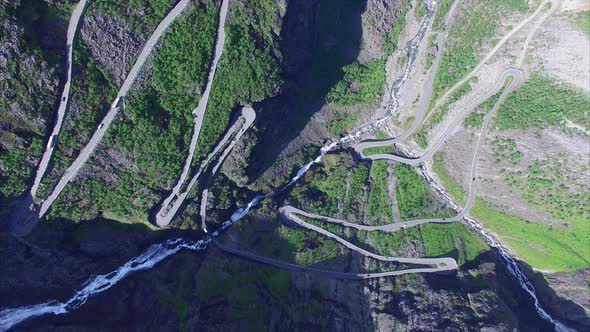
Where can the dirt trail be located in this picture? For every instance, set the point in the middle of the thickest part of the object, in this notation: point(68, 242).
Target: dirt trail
point(555, 6)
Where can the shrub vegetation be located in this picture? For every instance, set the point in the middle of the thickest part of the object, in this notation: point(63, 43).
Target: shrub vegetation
point(411, 191)
point(15, 170)
point(583, 21)
point(153, 131)
point(361, 84)
point(248, 70)
point(379, 202)
point(182, 64)
point(554, 248)
point(390, 44)
point(541, 102)
point(467, 35)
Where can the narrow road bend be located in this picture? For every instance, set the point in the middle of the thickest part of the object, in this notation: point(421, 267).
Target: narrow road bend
point(26, 214)
point(490, 54)
point(63, 102)
point(324, 273)
point(498, 86)
point(441, 264)
point(167, 212)
point(199, 112)
point(249, 115)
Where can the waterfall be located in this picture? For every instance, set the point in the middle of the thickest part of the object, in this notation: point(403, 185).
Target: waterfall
point(158, 252)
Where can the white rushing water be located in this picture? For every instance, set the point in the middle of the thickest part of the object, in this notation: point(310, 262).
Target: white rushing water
point(511, 264)
point(158, 252)
point(146, 260)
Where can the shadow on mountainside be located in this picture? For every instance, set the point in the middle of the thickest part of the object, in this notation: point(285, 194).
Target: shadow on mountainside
point(215, 291)
point(44, 26)
point(32, 39)
point(488, 274)
point(212, 290)
point(557, 305)
point(318, 38)
point(58, 256)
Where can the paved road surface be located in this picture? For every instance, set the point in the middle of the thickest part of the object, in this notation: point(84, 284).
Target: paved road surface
point(435, 264)
point(115, 107)
point(249, 115)
point(426, 90)
point(199, 111)
point(166, 212)
point(22, 224)
point(453, 126)
point(490, 54)
point(421, 115)
point(63, 102)
point(325, 273)
point(442, 264)
point(389, 228)
point(513, 85)
point(394, 227)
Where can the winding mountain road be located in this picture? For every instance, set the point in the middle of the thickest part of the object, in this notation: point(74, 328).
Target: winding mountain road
point(325, 273)
point(441, 264)
point(63, 102)
point(115, 107)
point(166, 212)
point(517, 80)
point(488, 56)
point(156, 253)
point(199, 112)
point(498, 86)
point(249, 115)
point(26, 217)
point(426, 89)
point(421, 116)
point(388, 228)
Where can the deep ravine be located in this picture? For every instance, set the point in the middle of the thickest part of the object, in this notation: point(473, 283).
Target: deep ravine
point(156, 253)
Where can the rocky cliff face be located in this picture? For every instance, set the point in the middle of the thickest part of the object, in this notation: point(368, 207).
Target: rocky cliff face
point(210, 290)
point(111, 42)
point(565, 294)
point(31, 33)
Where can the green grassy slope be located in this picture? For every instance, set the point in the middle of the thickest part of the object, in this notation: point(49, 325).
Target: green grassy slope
point(563, 248)
point(474, 28)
